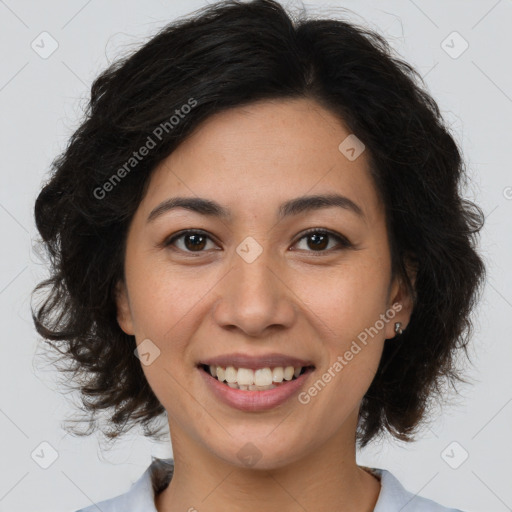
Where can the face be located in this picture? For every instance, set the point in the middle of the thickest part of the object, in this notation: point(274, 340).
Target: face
point(255, 282)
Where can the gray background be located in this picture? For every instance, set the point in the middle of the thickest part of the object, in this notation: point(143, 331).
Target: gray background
point(41, 101)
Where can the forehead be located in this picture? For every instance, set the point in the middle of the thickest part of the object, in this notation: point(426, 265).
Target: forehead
point(265, 153)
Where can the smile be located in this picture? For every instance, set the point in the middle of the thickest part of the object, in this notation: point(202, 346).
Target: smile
point(247, 379)
point(254, 390)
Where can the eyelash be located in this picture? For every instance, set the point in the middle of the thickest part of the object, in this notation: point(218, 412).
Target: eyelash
point(342, 241)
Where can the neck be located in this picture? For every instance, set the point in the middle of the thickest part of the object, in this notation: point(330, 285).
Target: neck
point(326, 478)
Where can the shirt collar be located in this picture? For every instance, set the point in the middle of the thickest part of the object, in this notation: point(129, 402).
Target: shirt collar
point(156, 478)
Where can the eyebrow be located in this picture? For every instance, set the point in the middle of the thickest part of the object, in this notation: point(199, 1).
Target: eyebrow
point(289, 208)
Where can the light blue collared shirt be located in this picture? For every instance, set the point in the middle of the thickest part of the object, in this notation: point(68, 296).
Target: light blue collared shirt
point(393, 496)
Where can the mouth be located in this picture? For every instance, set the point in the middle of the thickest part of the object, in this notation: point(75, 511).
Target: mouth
point(261, 379)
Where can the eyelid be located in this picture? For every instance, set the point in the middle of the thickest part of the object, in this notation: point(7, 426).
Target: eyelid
point(169, 241)
point(342, 240)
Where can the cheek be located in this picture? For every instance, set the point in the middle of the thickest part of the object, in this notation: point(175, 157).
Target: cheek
point(163, 300)
point(348, 299)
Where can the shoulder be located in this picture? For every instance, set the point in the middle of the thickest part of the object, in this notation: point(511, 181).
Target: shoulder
point(393, 497)
point(137, 499)
point(141, 495)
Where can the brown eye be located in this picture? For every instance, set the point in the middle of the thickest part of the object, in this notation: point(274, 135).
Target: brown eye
point(193, 241)
point(318, 240)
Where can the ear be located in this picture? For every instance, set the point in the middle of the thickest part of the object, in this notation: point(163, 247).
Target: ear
point(401, 299)
point(124, 314)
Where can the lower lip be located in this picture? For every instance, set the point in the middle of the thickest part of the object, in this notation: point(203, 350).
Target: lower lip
point(253, 401)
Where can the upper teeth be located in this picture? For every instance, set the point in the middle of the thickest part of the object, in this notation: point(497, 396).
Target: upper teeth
point(260, 377)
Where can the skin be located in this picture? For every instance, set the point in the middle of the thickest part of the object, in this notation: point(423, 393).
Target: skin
point(293, 299)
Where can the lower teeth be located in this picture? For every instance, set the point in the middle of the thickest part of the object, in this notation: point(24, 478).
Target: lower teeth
point(235, 385)
point(253, 387)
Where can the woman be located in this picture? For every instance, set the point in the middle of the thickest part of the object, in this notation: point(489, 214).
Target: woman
point(257, 232)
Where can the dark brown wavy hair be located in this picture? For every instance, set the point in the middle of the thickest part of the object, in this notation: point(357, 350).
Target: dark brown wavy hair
point(227, 55)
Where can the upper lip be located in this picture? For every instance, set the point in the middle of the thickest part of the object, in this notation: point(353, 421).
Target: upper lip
point(239, 360)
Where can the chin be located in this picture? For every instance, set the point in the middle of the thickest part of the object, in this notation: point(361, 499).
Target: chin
point(259, 453)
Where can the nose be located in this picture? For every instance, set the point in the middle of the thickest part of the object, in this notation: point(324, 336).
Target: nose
point(254, 298)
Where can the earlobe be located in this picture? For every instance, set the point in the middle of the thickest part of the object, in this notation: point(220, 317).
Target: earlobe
point(402, 302)
point(124, 315)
